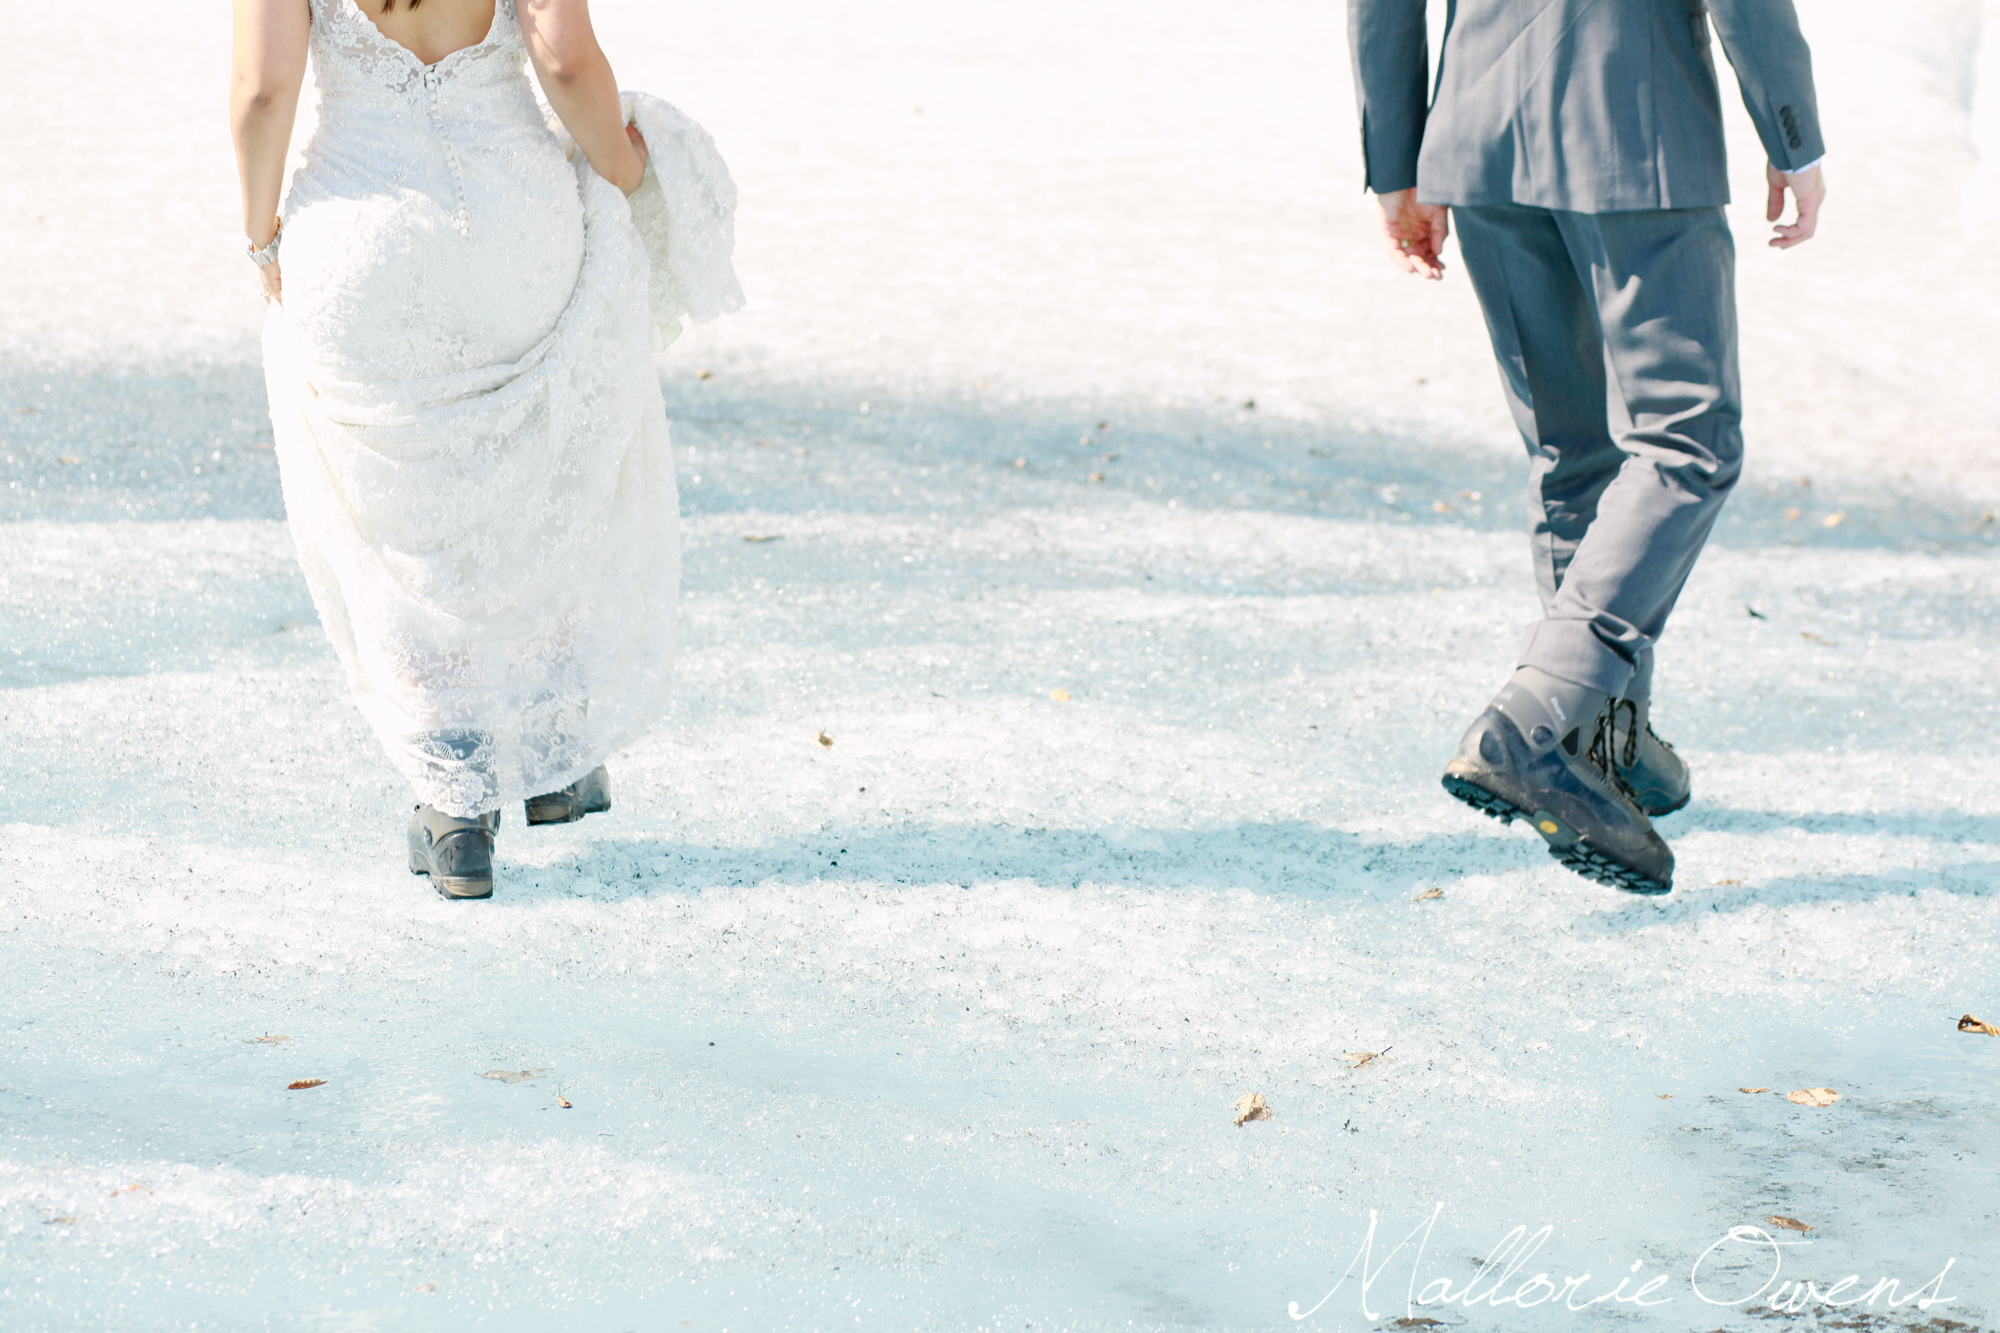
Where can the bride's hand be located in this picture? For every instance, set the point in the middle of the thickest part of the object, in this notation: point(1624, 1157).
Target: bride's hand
point(272, 286)
point(638, 142)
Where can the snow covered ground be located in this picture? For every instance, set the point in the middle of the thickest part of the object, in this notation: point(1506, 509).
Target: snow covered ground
point(940, 1026)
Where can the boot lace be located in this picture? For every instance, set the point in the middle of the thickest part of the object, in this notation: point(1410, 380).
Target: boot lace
point(1603, 752)
point(1628, 754)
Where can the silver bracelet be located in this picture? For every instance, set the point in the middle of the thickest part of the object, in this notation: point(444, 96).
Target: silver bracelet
point(266, 255)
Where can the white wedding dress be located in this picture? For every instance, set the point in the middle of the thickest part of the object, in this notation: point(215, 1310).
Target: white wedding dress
point(469, 428)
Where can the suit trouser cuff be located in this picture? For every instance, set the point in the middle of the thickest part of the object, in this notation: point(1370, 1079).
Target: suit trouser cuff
point(1640, 687)
point(1570, 650)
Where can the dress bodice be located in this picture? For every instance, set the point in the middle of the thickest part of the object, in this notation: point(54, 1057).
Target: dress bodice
point(352, 56)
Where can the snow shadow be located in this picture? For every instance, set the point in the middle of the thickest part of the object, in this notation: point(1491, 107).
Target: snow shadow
point(136, 442)
point(986, 453)
point(1292, 859)
point(1943, 826)
point(192, 441)
point(1689, 902)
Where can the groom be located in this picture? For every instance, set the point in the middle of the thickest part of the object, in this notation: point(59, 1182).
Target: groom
point(1579, 144)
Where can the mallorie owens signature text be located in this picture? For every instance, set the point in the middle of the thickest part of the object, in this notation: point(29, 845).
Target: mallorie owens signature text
point(1742, 1265)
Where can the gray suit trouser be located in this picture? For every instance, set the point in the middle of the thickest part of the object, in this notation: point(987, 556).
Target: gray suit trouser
point(1616, 337)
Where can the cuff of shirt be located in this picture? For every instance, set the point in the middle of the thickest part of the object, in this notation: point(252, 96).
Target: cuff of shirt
point(1800, 171)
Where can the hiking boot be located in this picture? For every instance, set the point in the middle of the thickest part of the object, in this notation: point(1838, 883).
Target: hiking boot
point(588, 795)
point(1656, 776)
point(1542, 751)
point(456, 853)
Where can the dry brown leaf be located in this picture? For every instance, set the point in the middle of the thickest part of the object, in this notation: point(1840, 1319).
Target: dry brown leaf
point(562, 1101)
point(704, 374)
point(826, 740)
point(1971, 1024)
point(1097, 476)
point(1813, 1097)
point(427, 1286)
point(59, 1222)
point(269, 1039)
point(1252, 1106)
point(1427, 895)
point(1666, 1096)
point(140, 1188)
point(514, 1075)
point(763, 537)
point(1753, 1089)
point(1417, 1321)
point(1060, 696)
point(1788, 1223)
point(70, 459)
point(1020, 462)
point(1808, 634)
point(1720, 882)
point(1440, 507)
point(1359, 1059)
point(1791, 515)
point(304, 1083)
point(1835, 519)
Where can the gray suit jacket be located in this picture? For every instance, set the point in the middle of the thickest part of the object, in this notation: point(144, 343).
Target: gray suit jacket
point(1591, 106)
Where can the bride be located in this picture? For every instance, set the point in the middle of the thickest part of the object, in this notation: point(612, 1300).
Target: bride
point(458, 356)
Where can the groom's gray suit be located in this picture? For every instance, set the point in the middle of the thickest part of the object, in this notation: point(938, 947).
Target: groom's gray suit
point(1580, 145)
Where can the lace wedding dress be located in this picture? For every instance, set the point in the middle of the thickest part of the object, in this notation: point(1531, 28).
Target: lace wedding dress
point(469, 428)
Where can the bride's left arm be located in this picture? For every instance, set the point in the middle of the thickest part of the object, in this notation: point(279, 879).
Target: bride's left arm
point(576, 78)
point(267, 69)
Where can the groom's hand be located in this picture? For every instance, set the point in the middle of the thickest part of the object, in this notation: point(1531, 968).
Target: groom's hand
point(1808, 189)
point(1415, 232)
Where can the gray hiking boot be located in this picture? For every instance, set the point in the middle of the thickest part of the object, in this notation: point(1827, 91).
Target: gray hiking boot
point(1657, 777)
point(588, 795)
point(1542, 751)
point(456, 853)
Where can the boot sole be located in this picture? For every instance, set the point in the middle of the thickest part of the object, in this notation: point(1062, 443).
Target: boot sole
point(1565, 844)
point(550, 813)
point(566, 814)
point(451, 886)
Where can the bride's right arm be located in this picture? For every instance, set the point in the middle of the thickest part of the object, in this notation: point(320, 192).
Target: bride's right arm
point(267, 69)
point(578, 82)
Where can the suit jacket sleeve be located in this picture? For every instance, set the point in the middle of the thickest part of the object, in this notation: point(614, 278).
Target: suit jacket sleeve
point(1774, 68)
point(1391, 53)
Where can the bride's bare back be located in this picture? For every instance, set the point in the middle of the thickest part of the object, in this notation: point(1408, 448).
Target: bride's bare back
point(432, 29)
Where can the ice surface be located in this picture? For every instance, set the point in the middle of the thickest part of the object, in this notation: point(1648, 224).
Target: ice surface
point(940, 1027)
